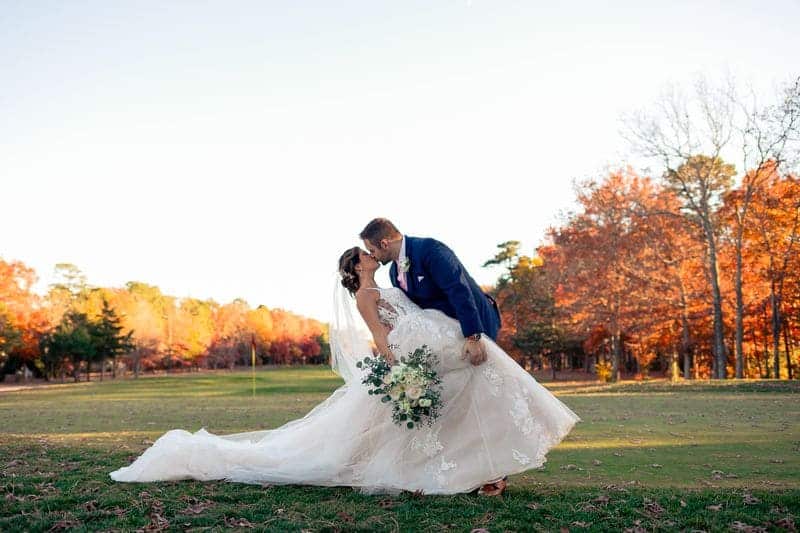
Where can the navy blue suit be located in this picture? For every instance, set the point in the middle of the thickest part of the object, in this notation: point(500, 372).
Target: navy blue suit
point(437, 280)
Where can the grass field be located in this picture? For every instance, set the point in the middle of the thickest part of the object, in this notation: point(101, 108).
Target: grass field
point(647, 456)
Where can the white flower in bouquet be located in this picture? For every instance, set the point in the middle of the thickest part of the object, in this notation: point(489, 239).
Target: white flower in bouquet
point(397, 373)
point(412, 387)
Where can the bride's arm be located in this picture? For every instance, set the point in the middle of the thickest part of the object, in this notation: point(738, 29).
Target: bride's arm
point(367, 303)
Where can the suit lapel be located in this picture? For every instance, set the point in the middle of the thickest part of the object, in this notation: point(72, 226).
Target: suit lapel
point(393, 274)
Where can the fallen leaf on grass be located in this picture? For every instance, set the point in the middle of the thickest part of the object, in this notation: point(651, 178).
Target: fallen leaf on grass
point(653, 507)
point(485, 519)
point(597, 462)
point(683, 503)
point(602, 499)
point(239, 522)
point(581, 524)
point(618, 454)
point(345, 517)
point(387, 504)
point(749, 499)
point(198, 507)
point(656, 465)
point(157, 522)
point(776, 461)
point(116, 511)
point(717, 507)
point(786, 523)
point(65, 523)
point(533, 505)
point(637, 527)
point(89, 506)
point(746, 528)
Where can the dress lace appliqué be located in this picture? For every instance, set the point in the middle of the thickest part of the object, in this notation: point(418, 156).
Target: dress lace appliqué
point(520, 457)
point(430, 444)
point(494, 379)
point(521, 415)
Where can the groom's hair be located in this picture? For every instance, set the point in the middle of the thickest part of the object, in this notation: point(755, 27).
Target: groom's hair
point(379, 229)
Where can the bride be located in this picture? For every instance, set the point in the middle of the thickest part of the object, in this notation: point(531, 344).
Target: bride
point(496, 420)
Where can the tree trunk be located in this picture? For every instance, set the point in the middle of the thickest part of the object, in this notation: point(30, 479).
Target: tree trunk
point(616, 355)
point(719, 338)
point(788, 347)
point(776, 331)
point(738, 342)
point(766, 343)
point(102, 368)
point(114, 367)
point(675, 373)
point(88, 370)
point(685, 338)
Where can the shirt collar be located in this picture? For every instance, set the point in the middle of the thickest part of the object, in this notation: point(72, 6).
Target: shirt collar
point(402, 250)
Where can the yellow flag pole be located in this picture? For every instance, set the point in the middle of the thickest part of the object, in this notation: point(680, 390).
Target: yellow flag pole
point(253, 362)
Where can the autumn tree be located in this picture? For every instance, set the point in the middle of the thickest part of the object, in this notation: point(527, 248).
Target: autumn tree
point(21, 319)
point(776, 211)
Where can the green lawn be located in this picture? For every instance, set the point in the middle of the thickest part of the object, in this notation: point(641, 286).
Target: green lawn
point(653, 456)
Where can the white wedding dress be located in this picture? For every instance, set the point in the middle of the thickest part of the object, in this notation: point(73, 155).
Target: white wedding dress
point(496, 420)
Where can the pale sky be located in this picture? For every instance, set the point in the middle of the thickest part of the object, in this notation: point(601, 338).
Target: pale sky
point(235, 149)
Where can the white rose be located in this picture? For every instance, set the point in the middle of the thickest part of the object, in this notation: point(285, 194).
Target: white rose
point(425, 402)
point(413, 392)
point(387, 378)
point(395, 393)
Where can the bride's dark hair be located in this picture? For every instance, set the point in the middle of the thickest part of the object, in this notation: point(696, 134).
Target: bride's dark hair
point(347, 268)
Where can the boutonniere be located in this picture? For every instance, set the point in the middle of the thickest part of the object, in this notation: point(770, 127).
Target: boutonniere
point(404, 264)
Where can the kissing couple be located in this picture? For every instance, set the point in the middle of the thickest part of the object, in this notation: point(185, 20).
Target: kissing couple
point(495, 420)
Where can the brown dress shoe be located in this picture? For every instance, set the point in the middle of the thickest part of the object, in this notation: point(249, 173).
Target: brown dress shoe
point(494, 489)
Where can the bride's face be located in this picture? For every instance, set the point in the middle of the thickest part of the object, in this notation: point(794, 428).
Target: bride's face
point(367, 262)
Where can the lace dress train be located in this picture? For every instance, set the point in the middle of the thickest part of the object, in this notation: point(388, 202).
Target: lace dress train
point(496, 420)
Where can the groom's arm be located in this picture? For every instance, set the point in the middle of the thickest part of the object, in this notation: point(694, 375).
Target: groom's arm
point(450, 276)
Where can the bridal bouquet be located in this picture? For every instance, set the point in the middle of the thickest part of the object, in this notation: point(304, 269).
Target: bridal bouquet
point(412, 386)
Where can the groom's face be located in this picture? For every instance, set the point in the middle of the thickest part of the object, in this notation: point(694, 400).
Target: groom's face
point(379, 251)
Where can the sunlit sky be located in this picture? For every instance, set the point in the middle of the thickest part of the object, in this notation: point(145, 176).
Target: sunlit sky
point(235, 149)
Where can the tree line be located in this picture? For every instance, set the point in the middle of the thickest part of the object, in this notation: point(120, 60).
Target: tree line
point(696, 271)
point(76, 328)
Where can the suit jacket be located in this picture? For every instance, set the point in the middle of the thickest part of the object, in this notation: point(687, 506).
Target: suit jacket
point(436, 279)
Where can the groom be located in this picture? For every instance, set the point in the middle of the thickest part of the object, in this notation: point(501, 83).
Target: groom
point(433, 278)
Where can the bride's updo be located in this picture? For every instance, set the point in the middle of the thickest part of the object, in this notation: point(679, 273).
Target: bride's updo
point(347, 269)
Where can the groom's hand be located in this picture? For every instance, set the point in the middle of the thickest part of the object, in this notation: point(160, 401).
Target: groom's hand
point(475, 351)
